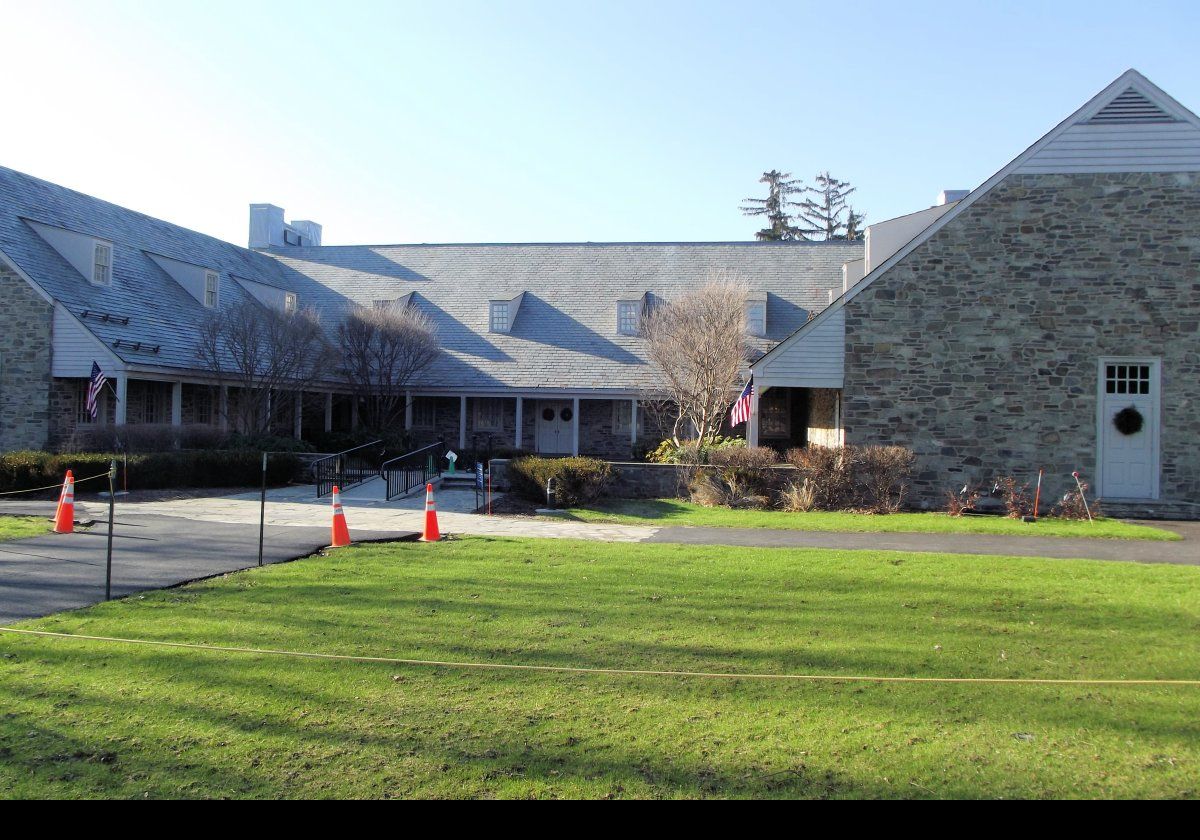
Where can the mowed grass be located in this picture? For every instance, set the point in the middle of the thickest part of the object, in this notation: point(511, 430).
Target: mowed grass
point(87, 719)
point(679, 512)
point(20, 527)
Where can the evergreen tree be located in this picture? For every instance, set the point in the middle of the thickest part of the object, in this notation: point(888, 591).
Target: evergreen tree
point(822, 211)
point(776, 206)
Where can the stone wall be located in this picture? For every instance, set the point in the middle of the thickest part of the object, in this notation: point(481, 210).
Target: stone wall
point(25, 349)
point(979, 350)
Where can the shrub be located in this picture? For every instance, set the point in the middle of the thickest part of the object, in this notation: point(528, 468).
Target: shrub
point(959, 503)
point(1015, 496)
point(882, 476)
point(798, 497)
point(1072, 505)
point(737, 477)
point(578, 481)
point(691, 452)
point(150, 471)
point(829, 473)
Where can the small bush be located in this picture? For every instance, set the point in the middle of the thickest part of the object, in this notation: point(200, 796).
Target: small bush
point(798, 497)
point(829, 473)
point(1017, 502)
point(737, 477)
point(882, 474)
point(1073, 505)
point(691, 452)
point(578, 481)
point(959, 503)
point(151, 471)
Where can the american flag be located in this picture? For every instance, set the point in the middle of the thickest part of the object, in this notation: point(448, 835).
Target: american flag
point(740, 412)
point(95, 386)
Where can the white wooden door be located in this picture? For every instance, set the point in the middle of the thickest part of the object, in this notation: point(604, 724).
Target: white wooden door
point(1128, 428)
point(554, 427)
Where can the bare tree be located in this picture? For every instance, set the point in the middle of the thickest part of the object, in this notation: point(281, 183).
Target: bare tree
point(697, 342)
point(263, 352)
point(382, 351)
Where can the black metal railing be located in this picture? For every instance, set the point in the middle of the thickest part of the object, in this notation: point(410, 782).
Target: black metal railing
point(347, 469)
point(413, 469)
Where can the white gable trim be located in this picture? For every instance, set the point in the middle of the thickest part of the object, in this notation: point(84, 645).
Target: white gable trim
point(1130, 78)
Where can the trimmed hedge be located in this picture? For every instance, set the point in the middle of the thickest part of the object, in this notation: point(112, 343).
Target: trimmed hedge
point(578, 481)
point(153, 471)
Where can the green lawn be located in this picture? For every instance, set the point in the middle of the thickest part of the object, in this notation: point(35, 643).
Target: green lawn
point(678, 512)
point(19, 527)
point(83, 719)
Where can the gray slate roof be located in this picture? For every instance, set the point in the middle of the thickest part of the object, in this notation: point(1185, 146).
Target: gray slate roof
point(564, 335)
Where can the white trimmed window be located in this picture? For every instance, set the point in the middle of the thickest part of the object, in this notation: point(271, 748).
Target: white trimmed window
point(622, 413)
point(290, 302)
point(756, 318)
point(424, 413)
point(489, 415)
point(210, 289)
point(102, 264)
point(498, 319)
point(629, 317)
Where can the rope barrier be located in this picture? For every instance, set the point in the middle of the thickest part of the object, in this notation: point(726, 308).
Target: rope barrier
point(623, 672)
point(53, 486)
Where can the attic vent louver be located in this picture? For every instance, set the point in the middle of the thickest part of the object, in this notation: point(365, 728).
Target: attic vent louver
point(1131, 107)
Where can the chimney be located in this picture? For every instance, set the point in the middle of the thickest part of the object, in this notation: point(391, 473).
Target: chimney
point(950, 196)
point(269, 230)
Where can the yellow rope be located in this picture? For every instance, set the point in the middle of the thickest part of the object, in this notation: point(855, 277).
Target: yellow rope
point(53, 486)
point(625, 672)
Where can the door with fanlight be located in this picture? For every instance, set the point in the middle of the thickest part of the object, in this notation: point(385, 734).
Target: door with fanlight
point(1128, 429)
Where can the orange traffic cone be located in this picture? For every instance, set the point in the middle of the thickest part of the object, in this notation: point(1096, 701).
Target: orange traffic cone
point(341, 533)
point(432, 534)
point(64, 517)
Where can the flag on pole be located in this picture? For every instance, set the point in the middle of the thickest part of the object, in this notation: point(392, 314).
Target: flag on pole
point(740, 412)
point(95, 386)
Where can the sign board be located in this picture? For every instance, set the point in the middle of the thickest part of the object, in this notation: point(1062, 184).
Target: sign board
point(479, 476)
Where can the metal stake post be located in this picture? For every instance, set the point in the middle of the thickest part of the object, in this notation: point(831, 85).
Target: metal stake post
point(112, 503)
point(262, 510)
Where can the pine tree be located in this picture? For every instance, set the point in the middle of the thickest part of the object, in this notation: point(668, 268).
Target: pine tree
point(826, 212)
point(775, 206)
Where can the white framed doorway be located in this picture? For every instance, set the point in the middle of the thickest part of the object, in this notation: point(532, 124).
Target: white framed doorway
point(554, 426)
point(1128, 428)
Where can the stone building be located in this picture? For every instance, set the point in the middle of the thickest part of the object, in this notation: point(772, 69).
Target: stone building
point(1049, 319)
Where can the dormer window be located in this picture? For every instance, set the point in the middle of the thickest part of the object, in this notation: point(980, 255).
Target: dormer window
point(756, 318)
point(102, 264)
point(289, 303)
point(499, 320)
point(629, 317)
point(210, 289)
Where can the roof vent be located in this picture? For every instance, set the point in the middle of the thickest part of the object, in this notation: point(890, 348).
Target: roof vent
point(1132, 106)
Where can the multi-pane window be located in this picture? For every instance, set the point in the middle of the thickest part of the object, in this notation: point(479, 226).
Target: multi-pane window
point(202, 406)
point(289, 303)
point(498, 320)
point(102, 264)
point(424, 413)
point(629, 317)
point(622, 415)
point(1127, 379)
point(81, 411)
point(756, 318)
point(210, 289)
point(489, 415)
point(775, 415)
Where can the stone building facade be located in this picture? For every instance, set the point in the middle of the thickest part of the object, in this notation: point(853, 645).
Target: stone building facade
point(980, 349)
point(25, 355)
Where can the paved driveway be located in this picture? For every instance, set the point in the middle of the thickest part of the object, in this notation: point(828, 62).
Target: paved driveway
point(58, 572)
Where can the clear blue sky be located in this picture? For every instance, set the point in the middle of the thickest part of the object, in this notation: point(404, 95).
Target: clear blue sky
point(521, 121)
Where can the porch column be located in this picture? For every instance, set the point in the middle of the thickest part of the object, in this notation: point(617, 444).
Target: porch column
point(408, 401)
point(575, 426)
point(121, 385)
point(176, 403)
point(520, 422)
point(462, 422)
point(633, 408)
point(752, 423)
point(223, 407)
point(298, 419)
point(329, 412)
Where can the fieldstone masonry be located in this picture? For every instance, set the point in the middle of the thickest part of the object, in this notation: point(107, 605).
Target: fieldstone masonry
point(24, 365)
point(979, 350)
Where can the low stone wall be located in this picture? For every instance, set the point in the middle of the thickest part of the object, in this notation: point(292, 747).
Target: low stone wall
point(633, 480)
